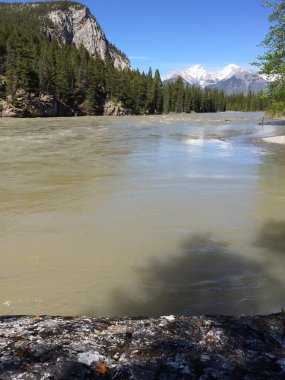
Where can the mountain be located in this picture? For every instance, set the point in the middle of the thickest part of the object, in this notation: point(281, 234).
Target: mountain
point(173, 79)
point(55, 60)
point(231, 79)
point(242, 81)
point(75, 24)
point(68, 22)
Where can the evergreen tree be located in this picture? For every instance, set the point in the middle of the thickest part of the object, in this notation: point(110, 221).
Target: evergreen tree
point(167, 95)
point(188, 101)
point(157, 93)
point(179, 93)
point(150, 93)
point(272, 62)
point(11, 72)
point(63, 76)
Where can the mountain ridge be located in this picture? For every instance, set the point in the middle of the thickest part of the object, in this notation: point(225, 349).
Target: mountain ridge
point(77, 25)
point(71, 22)
point(231, 78)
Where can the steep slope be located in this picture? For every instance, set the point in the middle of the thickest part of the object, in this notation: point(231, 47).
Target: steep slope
point(68, 22)
point(55, 60)
point(231, 79)
point(75, 24)
point(241, 82)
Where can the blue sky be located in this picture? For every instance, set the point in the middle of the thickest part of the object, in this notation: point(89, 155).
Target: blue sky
point(174, 34)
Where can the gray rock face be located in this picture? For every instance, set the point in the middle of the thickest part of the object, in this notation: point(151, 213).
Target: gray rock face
point(243, 82)
point(77, 25)
point(45, 106)
point(169, 347)
point(9, 110)
point(113, 109)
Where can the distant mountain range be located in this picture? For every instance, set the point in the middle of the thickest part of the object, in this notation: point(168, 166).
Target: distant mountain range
point(231, 79)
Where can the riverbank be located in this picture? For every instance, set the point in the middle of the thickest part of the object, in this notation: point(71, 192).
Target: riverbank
point(169, 347)
point(280, 140)
point(275, 140)
point(25, 105)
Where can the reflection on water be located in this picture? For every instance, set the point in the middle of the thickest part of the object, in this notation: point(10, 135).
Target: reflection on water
point(141, 215)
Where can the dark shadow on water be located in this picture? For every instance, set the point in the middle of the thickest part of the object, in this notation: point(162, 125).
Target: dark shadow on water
point(203, 277)
point(272, 236)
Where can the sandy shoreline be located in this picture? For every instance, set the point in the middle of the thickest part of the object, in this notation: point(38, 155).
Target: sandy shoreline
point(275, 140)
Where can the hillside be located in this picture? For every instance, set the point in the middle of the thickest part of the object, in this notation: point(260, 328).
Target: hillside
point(53, 60)
point(67, 22)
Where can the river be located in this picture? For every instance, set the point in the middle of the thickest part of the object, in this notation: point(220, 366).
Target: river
point(141, 215)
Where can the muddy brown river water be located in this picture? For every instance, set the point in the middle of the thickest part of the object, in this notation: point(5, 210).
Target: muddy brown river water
point(141, 215)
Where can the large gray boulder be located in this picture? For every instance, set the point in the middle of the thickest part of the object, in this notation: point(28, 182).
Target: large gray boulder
point(115, 109)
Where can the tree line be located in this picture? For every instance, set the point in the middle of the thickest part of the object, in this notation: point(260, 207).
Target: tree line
point(33, 61)
point(180, 98)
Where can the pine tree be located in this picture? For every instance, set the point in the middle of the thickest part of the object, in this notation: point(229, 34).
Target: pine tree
point(157, 93)
point(11, 72)
point(95, 92)
point(167, 95)
point(179, 95)
point(150, 94)
point(187, 101)
point(63, 77)
point(26, 72)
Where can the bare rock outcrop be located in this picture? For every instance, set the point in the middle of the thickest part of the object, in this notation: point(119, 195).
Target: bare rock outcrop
point(10, 110)
point(169, 347)
point(77, 25)
point(115, 109)
point(25, 105)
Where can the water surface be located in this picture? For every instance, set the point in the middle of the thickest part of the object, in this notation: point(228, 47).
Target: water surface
point(141, 215)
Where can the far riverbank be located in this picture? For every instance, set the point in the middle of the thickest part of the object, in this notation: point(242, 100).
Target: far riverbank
point(275, 139)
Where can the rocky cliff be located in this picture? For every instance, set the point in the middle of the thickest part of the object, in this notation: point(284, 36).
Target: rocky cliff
point(75, 24)
point(40, 76)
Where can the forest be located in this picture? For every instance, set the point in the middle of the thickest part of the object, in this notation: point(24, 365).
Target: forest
point(38, 63)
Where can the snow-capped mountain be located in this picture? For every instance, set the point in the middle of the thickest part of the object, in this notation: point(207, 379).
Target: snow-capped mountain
point(231, 79)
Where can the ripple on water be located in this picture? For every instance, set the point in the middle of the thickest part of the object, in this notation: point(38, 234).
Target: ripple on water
point(83, 201)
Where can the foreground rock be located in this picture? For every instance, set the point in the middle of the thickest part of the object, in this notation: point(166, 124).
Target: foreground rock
point(151, 348)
